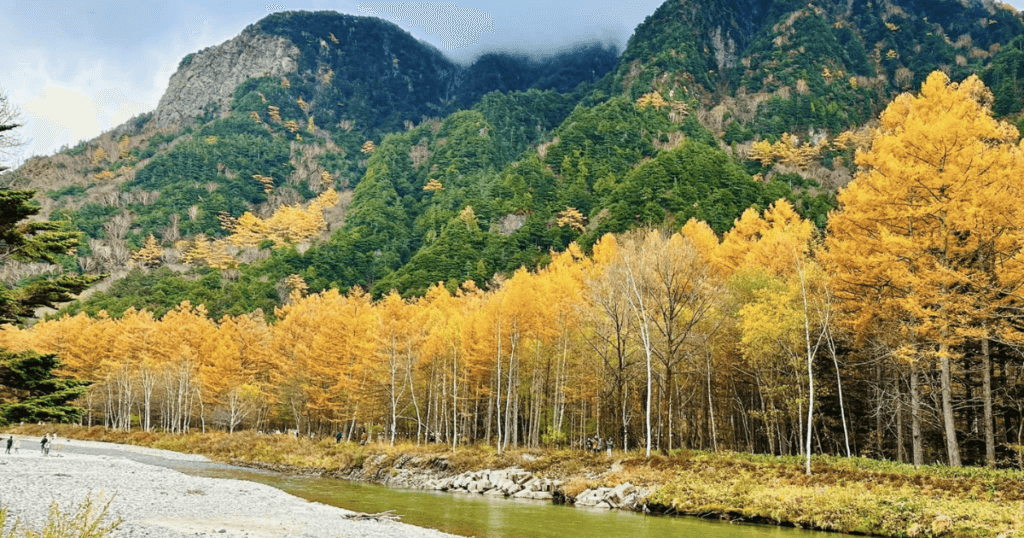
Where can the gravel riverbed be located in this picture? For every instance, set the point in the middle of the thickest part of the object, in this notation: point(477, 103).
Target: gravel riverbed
point(159, 502)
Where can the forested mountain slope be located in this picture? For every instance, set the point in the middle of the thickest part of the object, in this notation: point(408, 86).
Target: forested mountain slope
point(452, 173)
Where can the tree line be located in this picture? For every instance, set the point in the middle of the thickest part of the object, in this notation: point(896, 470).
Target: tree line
point(892, 334)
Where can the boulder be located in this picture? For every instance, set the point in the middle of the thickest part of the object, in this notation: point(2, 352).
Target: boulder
point(523, 494)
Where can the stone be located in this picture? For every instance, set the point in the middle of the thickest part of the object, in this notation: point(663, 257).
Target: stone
point(210, 76)
point(523, 494)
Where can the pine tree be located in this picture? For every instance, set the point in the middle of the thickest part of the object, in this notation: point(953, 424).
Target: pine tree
point(38, 394)
point(34, 241)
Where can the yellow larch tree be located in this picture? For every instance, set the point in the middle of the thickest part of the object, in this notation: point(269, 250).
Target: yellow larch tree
point(99, 156)
point(151, 254)
point(122, 147)
point(928, 233)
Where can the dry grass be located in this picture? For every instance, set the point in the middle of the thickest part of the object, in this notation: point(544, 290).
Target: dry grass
point(843, 494)
point(85, 520)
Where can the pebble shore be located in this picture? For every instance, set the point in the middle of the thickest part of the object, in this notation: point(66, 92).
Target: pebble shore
point(157, 502)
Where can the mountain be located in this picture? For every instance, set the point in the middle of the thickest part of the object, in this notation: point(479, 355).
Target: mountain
point(786, 66)
point(451, 173)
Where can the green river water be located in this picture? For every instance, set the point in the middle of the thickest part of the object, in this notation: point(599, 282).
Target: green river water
point(490, 517)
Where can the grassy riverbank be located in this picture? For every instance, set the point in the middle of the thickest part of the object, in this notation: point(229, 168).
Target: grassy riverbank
point(844, 495)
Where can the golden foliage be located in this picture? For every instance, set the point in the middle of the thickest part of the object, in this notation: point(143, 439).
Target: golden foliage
point(787, 150)
point(151, 254)
point(291, 125)
point(938, 185)
point(275, 113)
point(266, 181)
point(122, 146)
point(99, 156)
point(572, 218)
point(227, 222)
point(202, 250)
point(468, 217)
point(255, 116)
point(288, 225)
point(652, 99)
point(368, 148)
point(433, 185)
point(297, 286)
point(106, 174)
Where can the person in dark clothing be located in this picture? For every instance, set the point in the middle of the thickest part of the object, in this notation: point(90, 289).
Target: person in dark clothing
point(10, 443)
point(42, 446)
point(337, 438)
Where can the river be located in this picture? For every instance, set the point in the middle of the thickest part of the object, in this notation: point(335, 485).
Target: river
point(474, 515)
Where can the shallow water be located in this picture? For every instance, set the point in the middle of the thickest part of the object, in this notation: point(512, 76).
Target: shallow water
point(470, 514)
point(497, 517)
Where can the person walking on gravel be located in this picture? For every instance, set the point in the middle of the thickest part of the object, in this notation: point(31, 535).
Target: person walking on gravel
point(42, 446)
point(10, 443)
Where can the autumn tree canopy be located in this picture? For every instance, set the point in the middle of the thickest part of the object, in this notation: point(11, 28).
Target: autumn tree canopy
point(929, 233)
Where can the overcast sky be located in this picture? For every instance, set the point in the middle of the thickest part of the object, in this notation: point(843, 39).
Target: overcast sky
point(78, 68)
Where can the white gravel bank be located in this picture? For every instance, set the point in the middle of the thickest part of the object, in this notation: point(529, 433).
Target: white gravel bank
point(162, 503)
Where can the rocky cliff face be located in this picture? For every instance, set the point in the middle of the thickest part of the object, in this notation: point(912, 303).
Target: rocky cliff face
point(211, 75)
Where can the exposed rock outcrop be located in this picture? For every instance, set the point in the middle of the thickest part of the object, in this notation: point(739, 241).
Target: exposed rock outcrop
point(211, 75)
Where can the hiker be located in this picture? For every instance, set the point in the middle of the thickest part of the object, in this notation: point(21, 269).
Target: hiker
point(337, 438)
point(42, 445)
point(609, 445)
point(362, 440)
point(10, 443)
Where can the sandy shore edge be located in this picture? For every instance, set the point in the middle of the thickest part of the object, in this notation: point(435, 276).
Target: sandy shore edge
point(158, 502)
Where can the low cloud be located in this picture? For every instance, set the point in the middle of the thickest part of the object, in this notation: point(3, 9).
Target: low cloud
point(457, 27)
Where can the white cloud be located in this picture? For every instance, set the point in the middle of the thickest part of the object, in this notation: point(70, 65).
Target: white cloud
point(65, 101)
point(457, 27)
point(70, 91)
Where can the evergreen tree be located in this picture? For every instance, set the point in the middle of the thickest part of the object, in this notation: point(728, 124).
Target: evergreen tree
point(31, 391)
point(31, 241)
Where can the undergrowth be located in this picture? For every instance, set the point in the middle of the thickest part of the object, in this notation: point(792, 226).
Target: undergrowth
point(86, 520)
